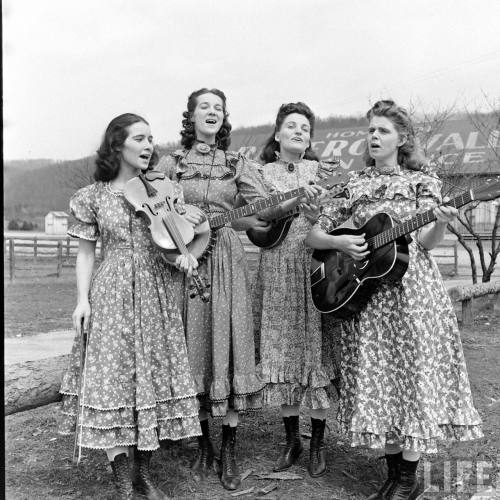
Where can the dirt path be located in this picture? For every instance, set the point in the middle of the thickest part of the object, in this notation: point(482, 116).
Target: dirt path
point(39, 466)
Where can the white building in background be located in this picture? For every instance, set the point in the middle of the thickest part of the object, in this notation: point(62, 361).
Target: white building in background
point(56, 223)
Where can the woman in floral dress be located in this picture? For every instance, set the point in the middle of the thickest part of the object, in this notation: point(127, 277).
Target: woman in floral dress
point(404, 382)
point(295, 364)
point(219, 334)
point(136, 387)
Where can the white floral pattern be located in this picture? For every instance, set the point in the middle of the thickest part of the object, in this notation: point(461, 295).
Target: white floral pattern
point(403, 373)
point(296, 362)
point(219, 333)
point(137, 387)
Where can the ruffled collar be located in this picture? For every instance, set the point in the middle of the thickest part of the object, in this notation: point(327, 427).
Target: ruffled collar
point(186, 168)
point(375, 172)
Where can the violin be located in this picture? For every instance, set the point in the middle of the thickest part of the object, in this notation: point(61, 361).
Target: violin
point(153, 197)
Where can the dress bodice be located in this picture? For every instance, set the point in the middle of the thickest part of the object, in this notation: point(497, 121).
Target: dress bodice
point(401, 195)
point(101, 212)
point(213, 180)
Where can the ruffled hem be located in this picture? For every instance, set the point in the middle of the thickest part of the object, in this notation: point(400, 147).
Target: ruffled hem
point(309, 377)
point(276, 395)
point(236, 402)
point(448, 433)
point(172, 420)
point(414, 438)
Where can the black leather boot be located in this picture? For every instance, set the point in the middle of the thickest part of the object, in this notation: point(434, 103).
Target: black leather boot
point(142, 481)
point(393, 467)
point(406, 487)
point(293, 446)
point(121, 473)
point(229, 474)
point(317, 454)
point(205, 458)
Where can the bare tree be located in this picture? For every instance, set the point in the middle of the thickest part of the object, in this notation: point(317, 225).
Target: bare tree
point(457, 179)
point(76, 174)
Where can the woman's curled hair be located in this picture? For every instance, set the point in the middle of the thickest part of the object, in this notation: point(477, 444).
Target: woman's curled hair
point(109, 152)
point(271, 147)
point(409, 154)
point(223, 136)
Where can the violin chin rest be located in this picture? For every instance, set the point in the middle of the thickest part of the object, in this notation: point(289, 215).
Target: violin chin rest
point(152, 175)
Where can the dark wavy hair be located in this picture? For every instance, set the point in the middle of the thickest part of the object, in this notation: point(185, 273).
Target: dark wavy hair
point(108, 155)
point(271, 146)
point(223, 137)
point(409, 154)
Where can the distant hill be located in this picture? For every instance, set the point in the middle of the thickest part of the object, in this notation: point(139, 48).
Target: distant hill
point(34, 187)
point(29, 164)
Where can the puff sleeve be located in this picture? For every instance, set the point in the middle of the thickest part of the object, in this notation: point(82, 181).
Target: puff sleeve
point(82, 206)
point(249, 180)
point(333, 213)
point(168, 165)
point(428, 192)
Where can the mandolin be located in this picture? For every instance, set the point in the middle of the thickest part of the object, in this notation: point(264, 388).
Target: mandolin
point(152, 195)
point(342, 286)
point(272, 235)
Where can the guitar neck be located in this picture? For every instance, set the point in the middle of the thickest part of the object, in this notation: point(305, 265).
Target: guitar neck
point(416, 222)
point(246, 210)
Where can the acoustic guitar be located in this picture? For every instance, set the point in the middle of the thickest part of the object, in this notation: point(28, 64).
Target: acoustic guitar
point(272, 235)
point(342, 286)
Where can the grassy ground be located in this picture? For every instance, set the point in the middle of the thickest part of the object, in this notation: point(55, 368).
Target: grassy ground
point(38, 461)
point(37, 301)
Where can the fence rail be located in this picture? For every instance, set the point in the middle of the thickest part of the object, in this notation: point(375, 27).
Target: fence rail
point(64, 249)
point(41, 247)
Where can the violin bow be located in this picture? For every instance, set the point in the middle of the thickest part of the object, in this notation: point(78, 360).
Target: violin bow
point(80, 396)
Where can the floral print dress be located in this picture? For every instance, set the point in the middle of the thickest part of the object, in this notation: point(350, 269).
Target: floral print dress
point(220, 333)
point(296, 363)
point(403, 373)
point(137, 388)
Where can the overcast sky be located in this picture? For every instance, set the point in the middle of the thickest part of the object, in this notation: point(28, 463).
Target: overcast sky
point(71, 66)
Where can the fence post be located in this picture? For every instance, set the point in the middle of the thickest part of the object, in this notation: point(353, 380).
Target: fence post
point(35, 248)
point(59, 258)
point(455, 256)
point(67, 247)
point(12, 260)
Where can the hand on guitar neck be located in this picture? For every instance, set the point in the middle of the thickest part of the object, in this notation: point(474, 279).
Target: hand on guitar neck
point(308, 204)
point(312, 193)
point(431, 236)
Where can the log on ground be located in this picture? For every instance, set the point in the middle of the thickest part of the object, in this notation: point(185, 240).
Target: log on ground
point(33, 383)
point(458, 293)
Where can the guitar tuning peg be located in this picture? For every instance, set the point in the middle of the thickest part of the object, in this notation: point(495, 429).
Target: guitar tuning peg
point(192, 295)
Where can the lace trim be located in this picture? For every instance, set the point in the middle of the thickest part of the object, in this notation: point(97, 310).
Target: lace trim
point(206, 395)
point(74, 235)
point(114, 192)
point(114, 408)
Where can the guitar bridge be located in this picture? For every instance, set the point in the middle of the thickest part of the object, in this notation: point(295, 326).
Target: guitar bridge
point(318, 274)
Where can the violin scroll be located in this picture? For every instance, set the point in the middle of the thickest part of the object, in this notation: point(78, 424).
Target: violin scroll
point(199, 287)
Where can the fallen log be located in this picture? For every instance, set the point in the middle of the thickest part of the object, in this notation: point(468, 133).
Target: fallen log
point(33, 383)
point(467, 293)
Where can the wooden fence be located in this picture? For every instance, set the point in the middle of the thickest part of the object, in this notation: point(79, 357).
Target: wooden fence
point(62, 251)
